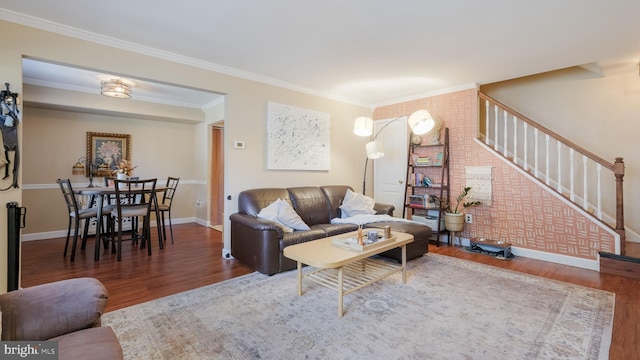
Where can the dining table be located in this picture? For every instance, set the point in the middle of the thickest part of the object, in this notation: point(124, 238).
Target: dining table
point(99, 193)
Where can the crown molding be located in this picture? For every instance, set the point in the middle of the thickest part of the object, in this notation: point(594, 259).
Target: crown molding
point(50, 26)
point(426, 95)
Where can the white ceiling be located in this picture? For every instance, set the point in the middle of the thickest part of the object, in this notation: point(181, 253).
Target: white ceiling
point(367, 52)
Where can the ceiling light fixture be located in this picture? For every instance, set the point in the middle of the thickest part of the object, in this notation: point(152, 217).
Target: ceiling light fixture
point(116, 88)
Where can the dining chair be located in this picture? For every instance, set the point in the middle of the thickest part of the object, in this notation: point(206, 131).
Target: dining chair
point(165, 206)
point(110, 200)
point(133, 200)
point(76, 214)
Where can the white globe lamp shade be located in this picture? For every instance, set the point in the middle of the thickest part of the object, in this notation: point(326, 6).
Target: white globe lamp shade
point(363, 126)
point(421, 122)
point(375, 149)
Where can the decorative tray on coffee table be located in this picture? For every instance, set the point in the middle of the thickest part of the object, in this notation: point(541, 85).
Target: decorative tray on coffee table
point(351, 243)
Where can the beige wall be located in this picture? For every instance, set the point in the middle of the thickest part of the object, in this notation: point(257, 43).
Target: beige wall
point(597, 112)
point(245, 119)
point(56, 139)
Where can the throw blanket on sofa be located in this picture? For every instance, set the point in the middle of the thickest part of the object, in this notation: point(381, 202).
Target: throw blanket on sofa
point(367, 219)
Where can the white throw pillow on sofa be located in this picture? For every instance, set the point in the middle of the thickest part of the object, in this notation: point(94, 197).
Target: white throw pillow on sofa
point(290, 217)
point(281, 212)
point(356, 204)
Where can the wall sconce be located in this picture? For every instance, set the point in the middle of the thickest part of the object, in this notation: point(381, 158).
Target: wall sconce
point(420, 122)
point(82, 166)
point(117, 88)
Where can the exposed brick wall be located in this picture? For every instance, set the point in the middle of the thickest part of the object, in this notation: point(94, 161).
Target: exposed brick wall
point(522, 212)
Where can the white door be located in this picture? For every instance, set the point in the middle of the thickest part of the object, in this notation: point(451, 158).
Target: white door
point(390, 171)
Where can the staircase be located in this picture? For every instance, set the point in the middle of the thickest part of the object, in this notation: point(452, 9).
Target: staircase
point(581, 177)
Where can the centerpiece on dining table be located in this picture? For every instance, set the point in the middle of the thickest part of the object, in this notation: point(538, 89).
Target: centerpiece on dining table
point(123, 170)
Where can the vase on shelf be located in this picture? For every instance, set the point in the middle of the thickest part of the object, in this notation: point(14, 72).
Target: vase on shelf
point(121, 176)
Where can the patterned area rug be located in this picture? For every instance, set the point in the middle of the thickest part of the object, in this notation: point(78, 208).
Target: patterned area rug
point(448, 309)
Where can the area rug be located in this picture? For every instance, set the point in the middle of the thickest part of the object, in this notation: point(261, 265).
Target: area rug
point(448, 309)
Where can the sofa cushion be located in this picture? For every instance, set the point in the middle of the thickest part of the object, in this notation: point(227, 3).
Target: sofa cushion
point(281, 212)
point(99, 343)
point(79, 303)
point(299, 237)
point(335, 229)
point(335, 194)
point(311, 204)
point(252, 201)
point(357, 204)
point(419, 246)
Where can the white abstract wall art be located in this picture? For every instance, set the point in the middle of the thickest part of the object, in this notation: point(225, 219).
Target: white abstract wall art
point(297, 139)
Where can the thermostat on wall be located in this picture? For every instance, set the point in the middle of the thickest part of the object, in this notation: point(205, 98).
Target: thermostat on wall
point(237, 144)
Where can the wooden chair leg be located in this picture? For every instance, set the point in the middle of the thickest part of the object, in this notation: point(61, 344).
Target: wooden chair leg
point(170, 226)
point(66, 244)
point(162, 232)
point(75, 240)
point(85, 233)
point(119, 250)
point(146, 221)
point(163, 224)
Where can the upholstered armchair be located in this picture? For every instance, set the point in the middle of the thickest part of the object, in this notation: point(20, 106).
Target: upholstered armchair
point(66, 311)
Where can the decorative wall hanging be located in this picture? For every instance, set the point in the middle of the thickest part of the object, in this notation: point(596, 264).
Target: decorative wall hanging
point(9, 135)
point(479, 179)
point(107, 150)
point(297, 139)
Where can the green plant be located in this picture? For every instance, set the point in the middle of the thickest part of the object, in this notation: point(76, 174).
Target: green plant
point(460, 202)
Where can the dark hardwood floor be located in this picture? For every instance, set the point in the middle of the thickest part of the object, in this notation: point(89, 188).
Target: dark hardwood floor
point(195, 260)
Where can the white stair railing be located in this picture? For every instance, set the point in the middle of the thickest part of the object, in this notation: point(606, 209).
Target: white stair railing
point(563, 166)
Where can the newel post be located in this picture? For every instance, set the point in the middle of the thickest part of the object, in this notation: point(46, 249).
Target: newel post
point(618, 170)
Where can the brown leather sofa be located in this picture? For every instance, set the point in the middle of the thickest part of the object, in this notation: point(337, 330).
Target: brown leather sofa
point(66, 311)
point(258, 243)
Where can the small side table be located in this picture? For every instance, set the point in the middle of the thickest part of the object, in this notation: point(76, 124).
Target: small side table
point(498, 247)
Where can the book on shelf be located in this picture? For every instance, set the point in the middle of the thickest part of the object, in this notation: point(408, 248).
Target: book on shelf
point(421, 161)
point(423, 201)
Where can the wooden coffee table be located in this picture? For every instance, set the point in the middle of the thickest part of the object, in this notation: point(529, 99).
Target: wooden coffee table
point(346, 270)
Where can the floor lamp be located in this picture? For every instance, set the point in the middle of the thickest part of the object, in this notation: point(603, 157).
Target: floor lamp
point(420, 122)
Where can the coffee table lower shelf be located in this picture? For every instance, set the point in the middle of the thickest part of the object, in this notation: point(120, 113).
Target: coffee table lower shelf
point(345, 270)
point(355, 276)
point(351, 277)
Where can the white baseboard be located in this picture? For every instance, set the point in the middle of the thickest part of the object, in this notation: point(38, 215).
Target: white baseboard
point(63, 233)
point(226, 254)
point(545, 256)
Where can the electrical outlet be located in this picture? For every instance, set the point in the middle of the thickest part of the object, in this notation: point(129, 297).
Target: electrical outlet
point(468, 218)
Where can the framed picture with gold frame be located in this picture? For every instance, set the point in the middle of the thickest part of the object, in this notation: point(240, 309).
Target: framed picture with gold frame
point(106, 150)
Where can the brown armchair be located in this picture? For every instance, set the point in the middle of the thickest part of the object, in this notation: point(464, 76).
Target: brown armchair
point(66, 311)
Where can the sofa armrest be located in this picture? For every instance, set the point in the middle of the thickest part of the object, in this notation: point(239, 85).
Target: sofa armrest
point(257, 223)
point(256, 242)
point(384, 209)
point(45, 311)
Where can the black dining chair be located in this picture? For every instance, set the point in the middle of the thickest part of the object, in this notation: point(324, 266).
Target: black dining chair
point(76, 215)
point(133, 200)
point(165, 206)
